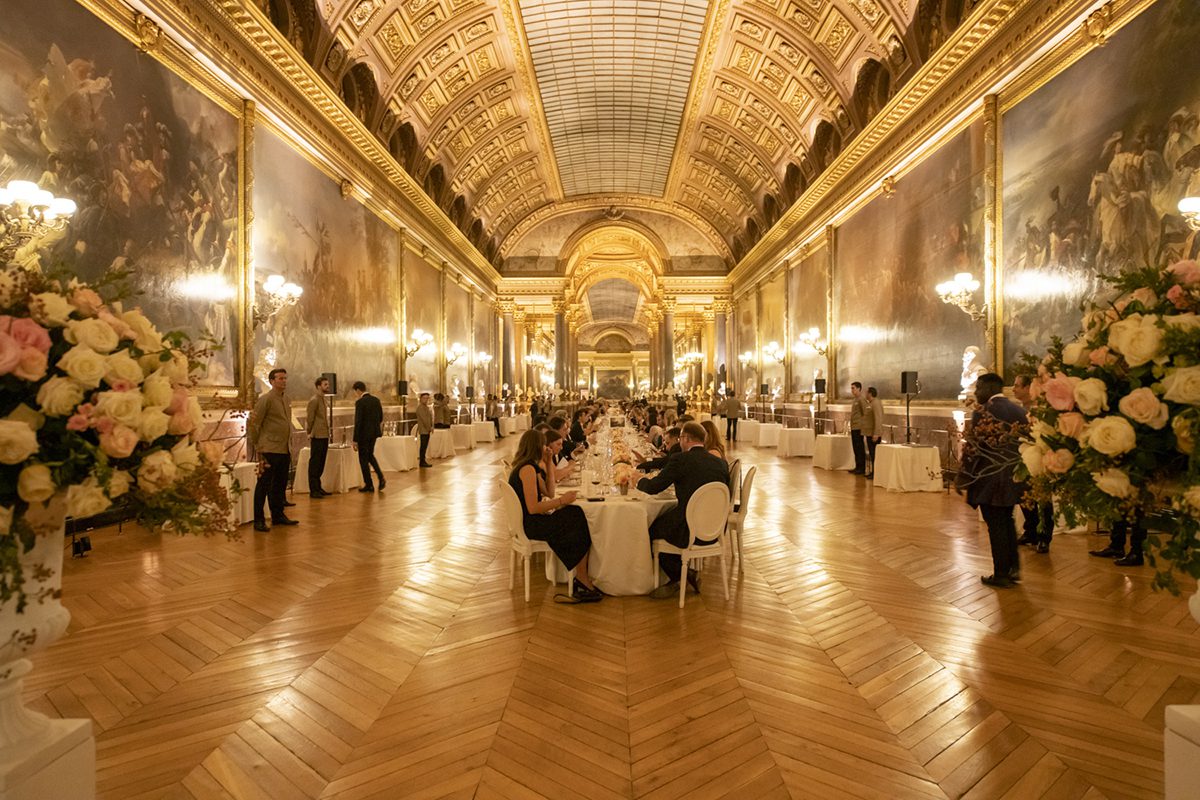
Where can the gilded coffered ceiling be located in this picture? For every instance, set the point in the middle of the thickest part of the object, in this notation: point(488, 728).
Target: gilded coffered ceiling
point(718, 111)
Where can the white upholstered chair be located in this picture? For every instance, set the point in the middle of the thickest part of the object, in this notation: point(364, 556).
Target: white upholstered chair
point(519, 543)
point(707, 512)
point(737, 517)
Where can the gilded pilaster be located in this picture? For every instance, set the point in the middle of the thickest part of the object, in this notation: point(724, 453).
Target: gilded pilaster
point(992, 268)
point(245, 253)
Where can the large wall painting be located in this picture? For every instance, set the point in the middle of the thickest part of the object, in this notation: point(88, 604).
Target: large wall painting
point(771, 329)
point(423, 295)
point(485, 325)
point(613, 384)
point(745, 314)
point(1094, 165)
point(808, 286)
point(458, 331)
point(151, 162)
point(345, 259)
point(891, 254)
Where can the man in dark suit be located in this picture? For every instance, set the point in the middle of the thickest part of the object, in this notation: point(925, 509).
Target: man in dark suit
point(368, 426)
point(990, 453)
point(670, 445)
point(687, 471)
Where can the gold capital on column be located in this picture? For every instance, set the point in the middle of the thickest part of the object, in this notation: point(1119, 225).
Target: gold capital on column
point(559, 305)
point(518, 315)
point(505, 305)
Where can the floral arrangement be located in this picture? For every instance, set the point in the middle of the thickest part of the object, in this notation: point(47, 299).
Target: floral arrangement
point(621, 454)
point(1116, 415)
point(624, 475)
point(95, 409)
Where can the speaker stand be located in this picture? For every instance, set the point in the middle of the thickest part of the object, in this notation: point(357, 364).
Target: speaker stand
point(908, 418)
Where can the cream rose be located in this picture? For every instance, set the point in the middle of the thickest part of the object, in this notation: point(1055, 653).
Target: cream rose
point(157, 391)
point(1071, 424)
point(50, 309)
point(1142, 405)
point(86, 499)
point(86, 301)
point(177, 368)
point(122, 367)
point(1188, 322)
point(35, 484)
point(94, 333)
point(1138, 338)
point(1184, 439)
point(1111, 436)
point(1113, 482)
point(152, 423)
point(146, 336)
point(1032, 456)
point(1076, 354)
point(119, 483)
point(1058, 461)
point(30, 416)
point(84, 365)
point(186, 456)
point(59, 396)
point(119, 442)
point(1183, 386)
point(157, 471)
point(124, 407)
point(1091, 396)
point(18, 441)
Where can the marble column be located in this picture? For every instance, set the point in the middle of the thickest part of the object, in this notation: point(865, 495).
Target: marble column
point(720, 343)
point(668, 325)
point(533, 378)
point(507, 343)
point(560, 343)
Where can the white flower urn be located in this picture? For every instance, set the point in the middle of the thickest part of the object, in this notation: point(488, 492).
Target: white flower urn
point(1181, 740)
point(40, 757)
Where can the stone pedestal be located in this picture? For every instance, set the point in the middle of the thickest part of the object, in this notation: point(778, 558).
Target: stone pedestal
point(1181, 742)
point(60, 764)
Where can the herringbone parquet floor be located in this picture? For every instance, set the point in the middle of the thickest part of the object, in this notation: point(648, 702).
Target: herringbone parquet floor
point(375, 651)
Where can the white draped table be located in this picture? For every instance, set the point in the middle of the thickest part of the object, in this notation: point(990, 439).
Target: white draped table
point(464, 436)
point(508, 426)
point(341, 471)
point(747, 431)
point(246, 474)
point(908, 468)
point(396, 453)
point(484, 431)
point(441, 444)
point(522, 422)
point(833, 451)
point(768, 434)
point(797, 442)
point(704, 417)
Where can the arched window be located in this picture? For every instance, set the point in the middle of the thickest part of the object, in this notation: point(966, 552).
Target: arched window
point(360, 92)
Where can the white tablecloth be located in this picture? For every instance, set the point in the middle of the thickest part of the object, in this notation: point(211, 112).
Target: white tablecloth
point(522, 422)
point(508, 426)
point(484, 431)
point(704, 417)
point(908, 468)
point(464, 436)
point(797, 442)
point(747, 430)
point(396, 453)
point(341, 471)
point(619, 561)
point(833, 451)
point(441, 444)
point(246, 474)
point(768, 434)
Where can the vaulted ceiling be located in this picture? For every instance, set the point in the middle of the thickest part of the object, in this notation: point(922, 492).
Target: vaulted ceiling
point(722, 111)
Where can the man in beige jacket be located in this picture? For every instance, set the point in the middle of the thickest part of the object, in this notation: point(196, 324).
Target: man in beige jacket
point(873, 427)
point(858, 417)
point(425, 425)
point(269, 432)
point(316, 425)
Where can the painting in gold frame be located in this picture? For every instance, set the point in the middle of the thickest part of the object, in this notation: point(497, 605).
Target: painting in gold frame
point(808, 288)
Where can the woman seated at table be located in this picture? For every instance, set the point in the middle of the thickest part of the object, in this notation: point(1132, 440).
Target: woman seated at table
point(712, 439)
point(551, 519)
point(557, 467)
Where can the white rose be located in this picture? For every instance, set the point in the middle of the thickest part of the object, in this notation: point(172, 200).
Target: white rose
point(121, 366)
point(93, 333)
point(157, 391)
point(1113, 482)
point(86, 499)
point(124, 407)
point(1141, 405)
point(35, 484)
point(84, 365)
point(1091, 396)
point(1182, 427)
point(51, 309)
point(186, 456)
point(146, 336)
point(1111, 436)
point(193, 411)
point(1032, 456)
point(1137, 337)
point(157, 471)
point(1183, 386)
point(1076, 354)
point(177, 368)
point(1040, 430)
point(152, 423)
point(58, 397)
point(1188, 322)
point(17, 441)
point(119, 483)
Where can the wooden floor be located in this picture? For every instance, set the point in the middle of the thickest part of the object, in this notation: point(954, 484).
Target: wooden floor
point(376, 651)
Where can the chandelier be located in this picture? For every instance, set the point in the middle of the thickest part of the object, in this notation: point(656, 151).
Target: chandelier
point(958, 291)
point(28, 212)
point(689, 359)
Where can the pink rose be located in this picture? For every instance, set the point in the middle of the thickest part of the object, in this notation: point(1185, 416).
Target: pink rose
point(178, 400)
point(1071, 424)
point(119, 326)
point(105, 425)
point(78, 422)
point(1186, 272)
point(119, 442)
point(122, 386)
point(10, 353)
point(86, 301)
point(1178, 297)
point(32, 366)
point(1036, 388)
point(181, 423)
point(30, 334)
point(1058, 461)
point(1100, 356)
point(1060, 392)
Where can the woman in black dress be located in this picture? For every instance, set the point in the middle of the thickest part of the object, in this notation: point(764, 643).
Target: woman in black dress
point(551, 519)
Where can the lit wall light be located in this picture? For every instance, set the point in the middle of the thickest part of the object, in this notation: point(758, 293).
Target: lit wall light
point(417, 342)
point(959, 291)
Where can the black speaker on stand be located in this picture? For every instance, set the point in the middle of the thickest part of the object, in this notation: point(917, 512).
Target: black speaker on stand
point(402, 391)
point(910, 386)
point(819, 390)
point(332, 378)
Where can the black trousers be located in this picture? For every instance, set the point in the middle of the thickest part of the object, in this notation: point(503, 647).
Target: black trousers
point(424, 447)
point(665, 527)
point(495, 421)
point(731, 429)
point(367, 461)
point(872, 443)
point(1039, 523)
point(1002, 534)
point(316, 463)
point(860, 451)
point(440, 425)
point(1135, 532)
point(272, 486)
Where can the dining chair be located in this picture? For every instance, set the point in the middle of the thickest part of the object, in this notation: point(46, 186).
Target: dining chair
point(735, 481)
point(737, 517)
point(519, 543)
point(706, 513)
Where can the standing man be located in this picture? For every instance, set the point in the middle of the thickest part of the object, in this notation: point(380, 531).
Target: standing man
point(493, 413)
point(368, 426)
point(873, 427)
point(425, 425)
point(269, 432)
point(441, 411)
point(1039, 519)
point(733, 411)
point(858, 417)
point(687, 471)
point(316, 425)
point(989, 453)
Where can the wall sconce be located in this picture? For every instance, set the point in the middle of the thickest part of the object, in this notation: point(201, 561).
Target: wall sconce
point(745, 358)
point(773, 350)
point(276, 295)
point(482, 359)
point(811, 338)
point(419, 340)
point(456, 352)
point(958, 291)
point(28, 212)
point(1189, 207)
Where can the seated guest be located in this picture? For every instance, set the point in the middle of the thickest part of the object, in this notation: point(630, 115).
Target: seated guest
point(687, 471)
point(712, 439)
point(578, 421)
point(684, 419)
point(670, 445)
point(551, 519)
point(559, 425)
point(655, 434)
point(559, 466)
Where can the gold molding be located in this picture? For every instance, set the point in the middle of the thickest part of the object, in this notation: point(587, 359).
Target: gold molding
point(992, 262)
point(148, 33)
point(246, 353)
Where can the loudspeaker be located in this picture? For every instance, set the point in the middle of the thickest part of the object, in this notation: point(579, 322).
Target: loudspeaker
point(402, 388)
point(908, 383)
point(819, 386)
point(764, 388)
point(470, 392)
point(332, 378)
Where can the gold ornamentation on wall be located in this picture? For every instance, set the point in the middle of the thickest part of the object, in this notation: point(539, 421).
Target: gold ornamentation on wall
point(1098, 24)
point(148, 32)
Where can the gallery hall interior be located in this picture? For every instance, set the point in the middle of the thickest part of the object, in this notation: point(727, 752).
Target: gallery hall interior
point(602, 399)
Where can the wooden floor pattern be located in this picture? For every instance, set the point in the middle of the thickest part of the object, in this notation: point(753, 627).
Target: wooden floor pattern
point(375, 651)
